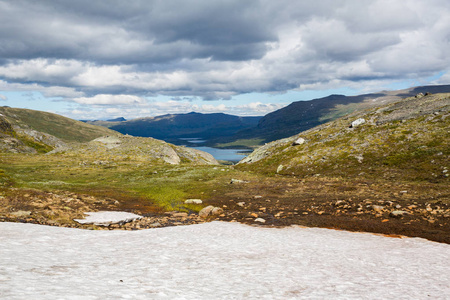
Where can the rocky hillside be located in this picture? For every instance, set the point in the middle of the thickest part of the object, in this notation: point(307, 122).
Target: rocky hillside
point(407, 139)
point(303, 115)
point(108, 150)
point(29, 131)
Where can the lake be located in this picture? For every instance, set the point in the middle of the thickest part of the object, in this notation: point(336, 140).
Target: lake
point(231, 155)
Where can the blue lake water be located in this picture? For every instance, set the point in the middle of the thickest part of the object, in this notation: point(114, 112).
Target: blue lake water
point(232, 155)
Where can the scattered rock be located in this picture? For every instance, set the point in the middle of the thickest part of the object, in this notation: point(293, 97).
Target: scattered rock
point(260, 220)
point(241, 204)
point(193, 201)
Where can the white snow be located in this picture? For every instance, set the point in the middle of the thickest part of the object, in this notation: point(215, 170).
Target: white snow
point(218, 261)
point(105, 218)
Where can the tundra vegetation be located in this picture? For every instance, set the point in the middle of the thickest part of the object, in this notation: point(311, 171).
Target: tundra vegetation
point(387, 174)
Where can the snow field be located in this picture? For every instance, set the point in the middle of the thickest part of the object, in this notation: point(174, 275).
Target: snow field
point(218, 260)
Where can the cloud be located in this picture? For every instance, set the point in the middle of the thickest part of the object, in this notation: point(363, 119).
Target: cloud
point(116, 53)
point(3, 97)
point(103, 99)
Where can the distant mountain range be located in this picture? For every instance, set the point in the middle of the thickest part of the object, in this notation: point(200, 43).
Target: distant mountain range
point(222, 130)
point(303, 115)
point(172, 127)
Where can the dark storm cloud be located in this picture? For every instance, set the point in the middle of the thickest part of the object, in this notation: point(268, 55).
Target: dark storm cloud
point(136, 32)
point(217, 49)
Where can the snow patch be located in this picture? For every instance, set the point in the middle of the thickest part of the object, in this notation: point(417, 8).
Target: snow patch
point(105, 218)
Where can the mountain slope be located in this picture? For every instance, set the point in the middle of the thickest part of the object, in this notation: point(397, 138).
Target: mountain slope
point(303, 115)
point(192, 125)
point(30, 131)
point(65, 129)
point(408, 139)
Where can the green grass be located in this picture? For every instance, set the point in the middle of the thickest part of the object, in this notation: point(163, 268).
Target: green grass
point(163, 185)
point(61, 127)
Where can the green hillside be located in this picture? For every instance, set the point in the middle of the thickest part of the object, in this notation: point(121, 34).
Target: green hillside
point(65, 129)
point(408, 139)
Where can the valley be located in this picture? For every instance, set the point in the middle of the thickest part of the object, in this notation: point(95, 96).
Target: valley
point(387, 174)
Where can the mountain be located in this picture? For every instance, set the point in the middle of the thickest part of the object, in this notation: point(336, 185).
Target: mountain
point(406, 139)
point(171, 127)
point(31, 131)
point(303, 115)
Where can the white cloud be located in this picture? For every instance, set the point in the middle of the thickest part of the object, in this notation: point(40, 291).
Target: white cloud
point(3, 97)
point(103, 99)
point(117, 54)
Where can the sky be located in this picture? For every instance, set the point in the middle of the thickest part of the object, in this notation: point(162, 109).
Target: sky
point(107, 59)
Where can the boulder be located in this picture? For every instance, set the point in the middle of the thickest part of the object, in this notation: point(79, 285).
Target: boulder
point(298, 141)
point(357, 122)
point(205, 212)
point(260, 220)
point(216, 211)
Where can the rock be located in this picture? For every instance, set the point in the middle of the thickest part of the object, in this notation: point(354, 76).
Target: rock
point(21, 213)
point(205, 212)
point(299, 141)
point(398, 213)
point(180, 215)
point(280, 168)
point(241, 204)
point(357, 122)
point(210, 211)
point(193, 201)
point(157, 224)
point(237, 181)
point(216, 211)
point(260, 220)
point(377, 208)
